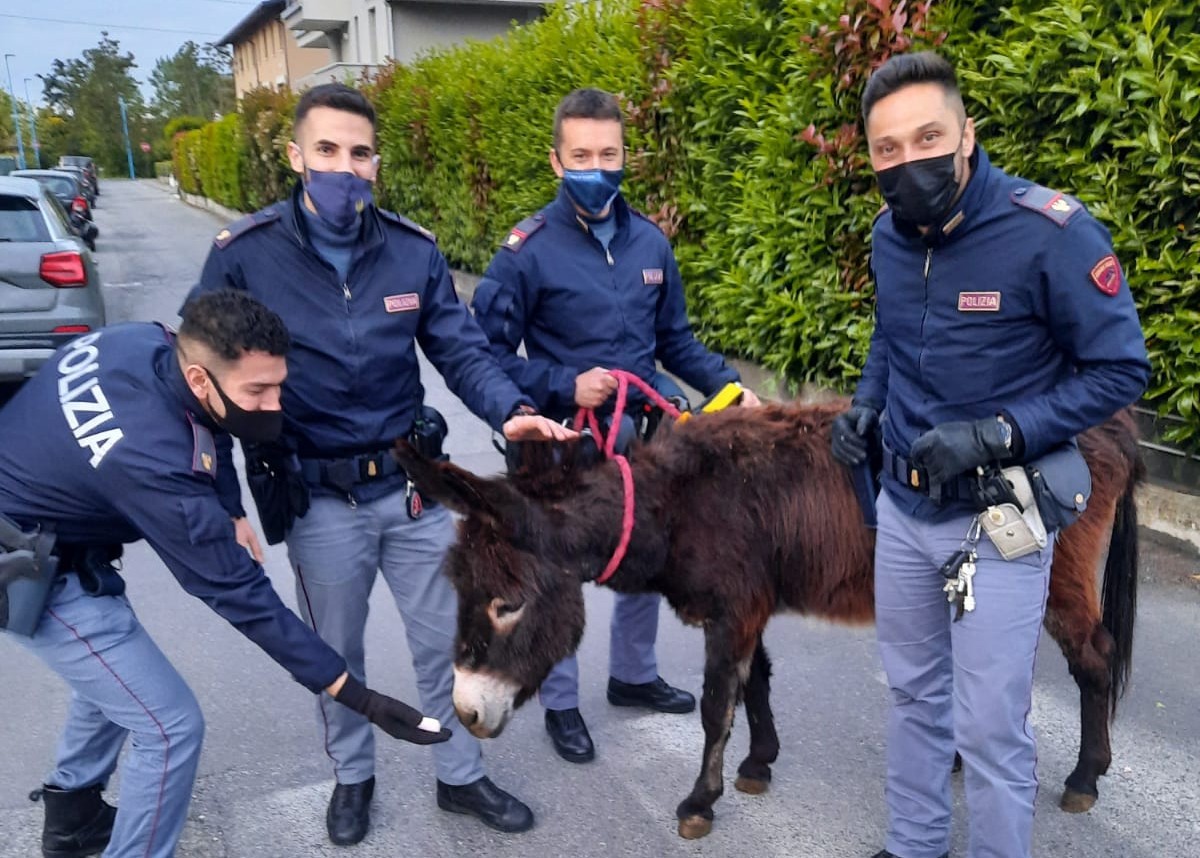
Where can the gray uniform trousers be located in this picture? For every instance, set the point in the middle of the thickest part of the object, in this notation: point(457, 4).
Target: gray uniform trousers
point(121, 685)
point(630, 651)
point(336, 551)
point(967, 685)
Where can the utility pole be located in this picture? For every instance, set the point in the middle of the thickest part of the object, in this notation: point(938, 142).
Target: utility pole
point(16, 116)
point(125, 128)
point(37, 149)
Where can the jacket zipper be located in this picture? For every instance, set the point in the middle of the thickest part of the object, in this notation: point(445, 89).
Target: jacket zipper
point(924, 312)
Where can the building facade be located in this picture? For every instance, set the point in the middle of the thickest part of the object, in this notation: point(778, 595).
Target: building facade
point(267, 54)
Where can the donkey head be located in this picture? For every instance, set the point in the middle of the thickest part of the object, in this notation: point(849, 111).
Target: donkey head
point(520, 607)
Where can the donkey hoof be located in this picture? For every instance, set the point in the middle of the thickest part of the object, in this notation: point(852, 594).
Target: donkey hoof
point(750, 786)
point(694, 827)
point(1076, 802)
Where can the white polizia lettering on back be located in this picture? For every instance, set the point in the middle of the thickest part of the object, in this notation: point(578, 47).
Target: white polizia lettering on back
point(83, 401)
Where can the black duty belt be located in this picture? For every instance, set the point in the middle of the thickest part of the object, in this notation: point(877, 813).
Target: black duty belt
point(345, 473)
point(908, 474)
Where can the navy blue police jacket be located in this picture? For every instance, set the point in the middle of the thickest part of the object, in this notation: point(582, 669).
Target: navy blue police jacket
point(353, 382)
point(107, 444)
point(1014, 304)
point(553, 286)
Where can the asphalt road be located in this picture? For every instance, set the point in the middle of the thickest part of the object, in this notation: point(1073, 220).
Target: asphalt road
point(264, 781)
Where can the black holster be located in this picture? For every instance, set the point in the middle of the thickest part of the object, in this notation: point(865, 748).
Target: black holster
point(277, 486)
point(94, 566)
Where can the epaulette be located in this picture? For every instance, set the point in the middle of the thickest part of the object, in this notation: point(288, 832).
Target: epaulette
point(521, 232)
point(1050, 203)
point(883, 209)
point(244, 225)
point(204, 451)
point(646, 218)
point(407, 224)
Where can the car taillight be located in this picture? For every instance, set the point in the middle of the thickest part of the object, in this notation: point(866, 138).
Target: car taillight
point(79, 204)
point(63, 269)
point(71, 329)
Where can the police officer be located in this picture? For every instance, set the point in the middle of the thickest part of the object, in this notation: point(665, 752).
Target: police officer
point(124, 451)
point(358, 287)
point(589, 284)
point(1004, 327)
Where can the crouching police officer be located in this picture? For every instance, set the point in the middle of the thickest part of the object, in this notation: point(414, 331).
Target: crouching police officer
point(1004, 327)
point(590, 284)
point(125, 450)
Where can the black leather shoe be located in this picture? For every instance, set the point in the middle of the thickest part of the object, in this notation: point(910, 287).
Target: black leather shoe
point(349, 814)
point(656, 695)
point(494, 807)
point(883, 853)
point(570, 735)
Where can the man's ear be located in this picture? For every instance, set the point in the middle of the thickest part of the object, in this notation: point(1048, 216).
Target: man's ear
point(555, 164)
point(295, 157)
point(458, 488)
point(197, 380)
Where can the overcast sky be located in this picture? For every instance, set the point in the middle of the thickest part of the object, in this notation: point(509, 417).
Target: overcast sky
point(149, 29)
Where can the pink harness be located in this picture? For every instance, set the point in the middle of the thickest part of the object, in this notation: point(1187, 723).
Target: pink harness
point(608, 445)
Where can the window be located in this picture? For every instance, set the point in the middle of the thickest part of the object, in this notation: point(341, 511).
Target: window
point(357, 42)
point(371, 34)
point(282, 37)
point(21, 220)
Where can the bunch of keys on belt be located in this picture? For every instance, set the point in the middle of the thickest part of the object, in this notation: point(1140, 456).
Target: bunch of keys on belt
point(959, 572)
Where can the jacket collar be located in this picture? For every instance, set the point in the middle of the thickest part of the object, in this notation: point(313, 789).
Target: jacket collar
point(370, 236)
point(563, 211)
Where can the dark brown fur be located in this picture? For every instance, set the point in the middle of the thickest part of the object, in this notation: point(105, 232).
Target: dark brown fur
point(740, 515)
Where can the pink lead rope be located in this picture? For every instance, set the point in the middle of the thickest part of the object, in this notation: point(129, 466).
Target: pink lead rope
point(588, 415)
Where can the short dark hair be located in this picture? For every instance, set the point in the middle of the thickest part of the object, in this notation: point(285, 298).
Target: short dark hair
point(230, 323)
point(335, 95)
point(906, 70)
point(587, 103)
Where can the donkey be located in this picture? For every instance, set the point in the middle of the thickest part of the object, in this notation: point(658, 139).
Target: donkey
point(739, 515)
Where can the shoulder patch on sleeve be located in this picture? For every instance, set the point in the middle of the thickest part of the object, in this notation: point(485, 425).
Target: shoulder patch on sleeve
point(243, 225)
point(204, 450)
point(1106, 275)
point(521, 232)
point(407, 224)
point(1049, 203)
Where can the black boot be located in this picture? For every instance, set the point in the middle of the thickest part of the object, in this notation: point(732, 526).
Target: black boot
point(78, 821)
point(656, 695)
point(349, 813)
point(570, 735)
point(492, 805)
point(883, 853)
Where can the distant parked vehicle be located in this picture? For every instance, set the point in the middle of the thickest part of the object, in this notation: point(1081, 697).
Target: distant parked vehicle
point(49, 285)
point(7, 164)
point(89, 190)
point(88, 166)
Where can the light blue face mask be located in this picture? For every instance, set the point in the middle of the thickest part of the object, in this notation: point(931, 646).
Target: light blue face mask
point(593, 190)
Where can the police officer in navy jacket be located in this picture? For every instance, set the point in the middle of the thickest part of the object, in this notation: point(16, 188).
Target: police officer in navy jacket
point(359, 287)
point(124, 450)
point(589, 284)
point(1004, 327)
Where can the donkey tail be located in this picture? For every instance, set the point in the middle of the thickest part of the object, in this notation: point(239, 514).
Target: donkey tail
point(1120, 588)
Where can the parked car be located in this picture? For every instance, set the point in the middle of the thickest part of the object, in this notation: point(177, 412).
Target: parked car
point(67, 187)
point(86, 164)
point(7, 164)
point(89, 190)
point(49, 284)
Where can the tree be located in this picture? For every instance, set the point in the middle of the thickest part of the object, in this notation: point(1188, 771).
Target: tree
point(196, 81)
point(86, 92)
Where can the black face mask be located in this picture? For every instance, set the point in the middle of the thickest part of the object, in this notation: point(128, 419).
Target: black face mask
point(920, 192)
point(257, 427)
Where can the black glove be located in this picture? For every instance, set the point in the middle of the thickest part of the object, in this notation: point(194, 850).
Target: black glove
point(398, 720)
point(850, 433)
point(947, 450)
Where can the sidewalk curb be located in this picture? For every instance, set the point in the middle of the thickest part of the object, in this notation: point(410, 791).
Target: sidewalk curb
point(1173, 513)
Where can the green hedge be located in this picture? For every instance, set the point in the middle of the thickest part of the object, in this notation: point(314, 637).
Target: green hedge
point(746, 147)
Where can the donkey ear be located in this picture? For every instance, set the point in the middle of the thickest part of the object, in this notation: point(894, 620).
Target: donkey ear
point(455, 487)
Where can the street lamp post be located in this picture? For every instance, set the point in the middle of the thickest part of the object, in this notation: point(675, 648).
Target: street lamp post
point(125, 128)
point(37, 149)
point(16, 116)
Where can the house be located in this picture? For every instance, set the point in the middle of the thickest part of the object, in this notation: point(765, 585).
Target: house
point(266, 53)
point(361, 34)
